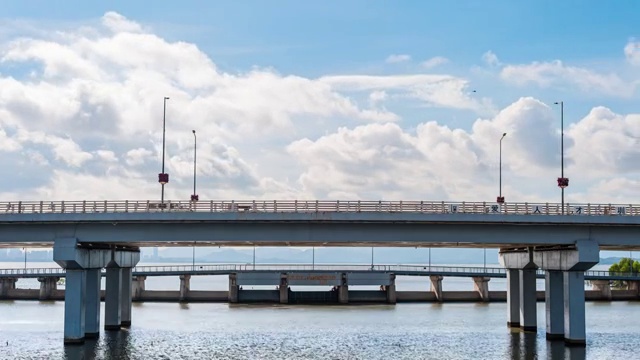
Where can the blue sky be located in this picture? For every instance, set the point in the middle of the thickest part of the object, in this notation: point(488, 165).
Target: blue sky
point(321, 99)
point(337, 37)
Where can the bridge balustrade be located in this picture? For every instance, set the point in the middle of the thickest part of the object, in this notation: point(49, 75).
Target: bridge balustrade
point(399, 269)
point(315, 206)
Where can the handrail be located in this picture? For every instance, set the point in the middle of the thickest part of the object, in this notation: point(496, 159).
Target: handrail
point(207, 268)
point(315, 206)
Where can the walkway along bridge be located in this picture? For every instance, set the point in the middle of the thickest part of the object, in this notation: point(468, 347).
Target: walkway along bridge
point(87, 236)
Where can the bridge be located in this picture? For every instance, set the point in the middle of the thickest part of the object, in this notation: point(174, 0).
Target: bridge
point(398, 270)
point(564, 240)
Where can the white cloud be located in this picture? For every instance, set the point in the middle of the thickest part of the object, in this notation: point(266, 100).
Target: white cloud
point(434, 61)
point(92, 118)
point(632, 52)
point(555, 73)
point(398, 58)
point(491, 59)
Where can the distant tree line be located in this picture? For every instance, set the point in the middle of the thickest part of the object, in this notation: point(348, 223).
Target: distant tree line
point(624, 266)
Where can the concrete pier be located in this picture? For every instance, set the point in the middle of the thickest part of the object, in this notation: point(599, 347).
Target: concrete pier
point(7, 284)
point(284, 289)
point(528, 309)
point(233, 289)
point(138, 287)
point(185, 287)
point(391, 290)
point(92, 309)
point(126, 297)
point(436, 286)
point(604, 287)
point(513, 298)
point(554, 304)
point(522, 261)
point(572, 262)
point(343, 294)
point(47, 286)
point(74, 306)
point(113, 299)
point(481, 286)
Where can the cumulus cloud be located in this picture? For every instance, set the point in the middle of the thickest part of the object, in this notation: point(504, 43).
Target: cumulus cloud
point(632, 52)
point(87, 108)
point(397, 58)
point(490, 58)
point(555, 73)
point(434, 61)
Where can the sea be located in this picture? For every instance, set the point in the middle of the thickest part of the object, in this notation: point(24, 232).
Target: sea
point(34, 329)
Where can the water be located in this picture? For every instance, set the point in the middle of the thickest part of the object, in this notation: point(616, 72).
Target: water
point(34, 330)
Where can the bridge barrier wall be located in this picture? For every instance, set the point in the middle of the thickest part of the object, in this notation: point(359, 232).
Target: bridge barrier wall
point(354, 296)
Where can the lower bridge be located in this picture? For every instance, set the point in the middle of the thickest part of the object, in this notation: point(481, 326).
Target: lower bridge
point(275, 280)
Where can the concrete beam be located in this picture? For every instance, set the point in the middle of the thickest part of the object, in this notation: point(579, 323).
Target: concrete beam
point(69, 255)
point(528, 299)
point(574, 314)
point(581, 257)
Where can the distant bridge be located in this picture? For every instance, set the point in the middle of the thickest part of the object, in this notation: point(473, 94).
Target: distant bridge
point(398, 270)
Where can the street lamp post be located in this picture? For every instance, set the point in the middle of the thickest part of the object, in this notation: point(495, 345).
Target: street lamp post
point(254, 257)
point(563, 182)
point(500, 197)
point(193, 261)
point(163, 178)
point(25, 257)
point(313, 258)
point(194, 197)
point(372, 258)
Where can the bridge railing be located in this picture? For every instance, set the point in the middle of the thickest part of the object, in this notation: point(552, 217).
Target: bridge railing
point(225, 268)
point(315, 206)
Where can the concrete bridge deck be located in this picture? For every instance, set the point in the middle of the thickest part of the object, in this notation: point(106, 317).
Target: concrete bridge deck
point(398, 270)
point(319, 223)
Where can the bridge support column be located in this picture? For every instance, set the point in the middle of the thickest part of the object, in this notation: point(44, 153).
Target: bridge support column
point(138, 287)
point(603, 286)
point(343, 290)
point(7, 284)
point(113, 299)
point(572, 261)
point(47, 286)
point(513, 298)
point(391, 290)
point(284, 289)
point(92, 309)
point(126, 298)
point(528, 300)
point(75, 258)
point(481, 286)
point(233, 289)
point(185, 287)
point(436, 286)
point(554, 304)
point(74, 306)
point(521, 286)
point(574, 314)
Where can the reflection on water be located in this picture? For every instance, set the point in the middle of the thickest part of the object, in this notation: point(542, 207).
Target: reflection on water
point(29, 330)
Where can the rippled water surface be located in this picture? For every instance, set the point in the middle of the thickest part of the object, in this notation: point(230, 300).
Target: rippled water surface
point(34, 330)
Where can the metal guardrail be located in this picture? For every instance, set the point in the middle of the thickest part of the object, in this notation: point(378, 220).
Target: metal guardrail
point(314, 206)
point(167, 270)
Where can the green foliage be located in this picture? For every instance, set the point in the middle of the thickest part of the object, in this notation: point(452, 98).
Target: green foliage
point(624, 266)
